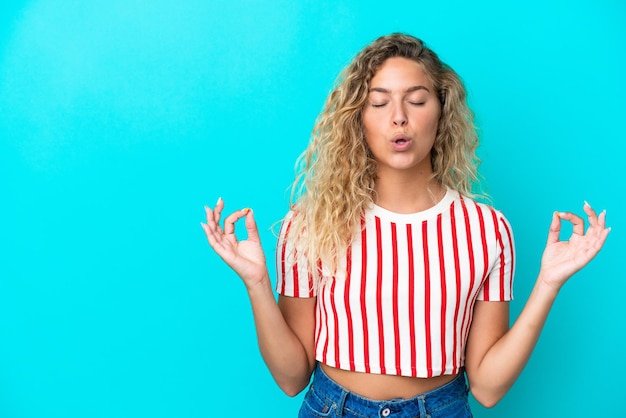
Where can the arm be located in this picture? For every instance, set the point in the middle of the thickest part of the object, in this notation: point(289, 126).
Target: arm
point(284, 330)
point(495, 355)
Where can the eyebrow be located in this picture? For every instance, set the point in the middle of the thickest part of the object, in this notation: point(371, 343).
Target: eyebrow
point(409, 90)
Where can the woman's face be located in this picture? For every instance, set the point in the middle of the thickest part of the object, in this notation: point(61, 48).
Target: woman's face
point(401, 117)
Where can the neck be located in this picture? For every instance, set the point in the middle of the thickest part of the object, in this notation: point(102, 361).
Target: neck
point(407, 193)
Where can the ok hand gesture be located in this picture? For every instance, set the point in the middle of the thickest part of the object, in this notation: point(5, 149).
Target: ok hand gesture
point(246, 257)
point(561, 259)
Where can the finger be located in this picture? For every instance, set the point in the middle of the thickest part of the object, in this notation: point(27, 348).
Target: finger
point(598, 241)
point(602, 219)
point(593, 217)
point(229, 222)
point(555, 229)
point(209, 234)
point(604, 235)
point(211, 227)
point(218, 209)
point(212, 237)
point(251, 228)
point(577, 222)
point(210, 220)
point(210, 217)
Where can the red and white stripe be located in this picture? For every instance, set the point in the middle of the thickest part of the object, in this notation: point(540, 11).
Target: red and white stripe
point(402, 300)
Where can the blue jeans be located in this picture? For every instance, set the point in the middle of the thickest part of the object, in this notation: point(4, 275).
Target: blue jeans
point(325, 398)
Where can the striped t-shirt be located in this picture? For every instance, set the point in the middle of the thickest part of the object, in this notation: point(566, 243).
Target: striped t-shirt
point(402, 300)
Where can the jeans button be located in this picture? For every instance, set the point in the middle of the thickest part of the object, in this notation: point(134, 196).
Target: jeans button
point(385, 412)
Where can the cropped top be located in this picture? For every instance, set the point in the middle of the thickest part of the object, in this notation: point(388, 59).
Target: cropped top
point(401, 302)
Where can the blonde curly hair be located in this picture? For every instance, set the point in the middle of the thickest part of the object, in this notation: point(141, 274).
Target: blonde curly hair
point(336, 173)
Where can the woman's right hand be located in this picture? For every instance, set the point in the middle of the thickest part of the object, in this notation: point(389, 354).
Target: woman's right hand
point(246, 257)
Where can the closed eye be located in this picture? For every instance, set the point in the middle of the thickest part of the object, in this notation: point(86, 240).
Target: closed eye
point(418, 103)
point(378, 104)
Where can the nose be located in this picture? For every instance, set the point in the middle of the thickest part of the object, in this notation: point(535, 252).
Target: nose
point(399, 117)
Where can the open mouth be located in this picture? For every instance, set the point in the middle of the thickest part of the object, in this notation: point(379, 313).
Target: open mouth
point(400, 140)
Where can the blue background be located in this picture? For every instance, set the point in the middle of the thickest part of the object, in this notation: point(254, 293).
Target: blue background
point(121, 119)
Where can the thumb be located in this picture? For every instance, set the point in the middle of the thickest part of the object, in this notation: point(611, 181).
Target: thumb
point(555, 228)
point(251, 228)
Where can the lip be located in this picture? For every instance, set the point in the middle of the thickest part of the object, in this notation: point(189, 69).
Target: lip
point(400, 142)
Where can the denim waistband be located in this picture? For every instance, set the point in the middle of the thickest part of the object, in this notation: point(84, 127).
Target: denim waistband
point(425, 402)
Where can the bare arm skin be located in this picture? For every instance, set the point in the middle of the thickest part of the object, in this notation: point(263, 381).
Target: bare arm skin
point(495, 354)
point(285, 330)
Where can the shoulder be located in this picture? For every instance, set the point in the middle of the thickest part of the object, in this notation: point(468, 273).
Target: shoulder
point(292, 214)
point(285, 224)
point(292, 230)
point(493, 222)
point(482, 206)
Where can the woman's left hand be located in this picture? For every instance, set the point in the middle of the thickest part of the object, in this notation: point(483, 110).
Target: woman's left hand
point(561, 259)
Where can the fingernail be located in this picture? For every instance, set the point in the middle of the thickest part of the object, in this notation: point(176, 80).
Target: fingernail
point(219, 199)
point(246, 210)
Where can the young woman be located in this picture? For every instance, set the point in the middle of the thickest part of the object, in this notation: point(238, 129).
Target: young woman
point(393, 282)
